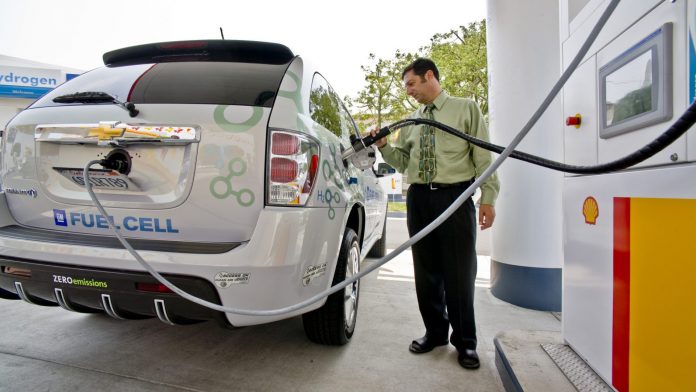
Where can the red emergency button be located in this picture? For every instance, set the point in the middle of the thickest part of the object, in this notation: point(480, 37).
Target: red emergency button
point(574, 120)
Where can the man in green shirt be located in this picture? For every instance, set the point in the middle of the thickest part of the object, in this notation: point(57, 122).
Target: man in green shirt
point(440, 167)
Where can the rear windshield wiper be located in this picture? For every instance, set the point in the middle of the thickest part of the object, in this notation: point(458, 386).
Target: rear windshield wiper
point(96, 97)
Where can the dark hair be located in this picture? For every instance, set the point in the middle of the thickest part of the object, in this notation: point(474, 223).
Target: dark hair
point(420, 66)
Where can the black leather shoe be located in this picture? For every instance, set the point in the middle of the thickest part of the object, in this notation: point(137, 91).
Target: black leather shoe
point(468, 359)
point(425, 344)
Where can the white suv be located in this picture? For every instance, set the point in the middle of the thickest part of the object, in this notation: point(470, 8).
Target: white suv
point(231, 185)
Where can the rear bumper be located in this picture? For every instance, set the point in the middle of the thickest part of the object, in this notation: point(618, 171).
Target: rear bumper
point(90, 290)
point(286, 245)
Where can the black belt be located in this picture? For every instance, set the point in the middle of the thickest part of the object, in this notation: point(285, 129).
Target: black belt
point(436, 185)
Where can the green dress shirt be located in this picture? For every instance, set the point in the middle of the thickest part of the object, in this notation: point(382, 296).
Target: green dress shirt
point(456, 159)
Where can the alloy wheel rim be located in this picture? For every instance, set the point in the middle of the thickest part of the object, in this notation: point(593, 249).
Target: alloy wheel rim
point(351, 291)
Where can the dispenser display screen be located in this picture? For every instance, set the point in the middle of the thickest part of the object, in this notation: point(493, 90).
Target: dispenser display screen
point(629, 90)
point(635, 88)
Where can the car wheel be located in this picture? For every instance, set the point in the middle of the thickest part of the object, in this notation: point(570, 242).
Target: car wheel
point(334, 323)
point(379, 249)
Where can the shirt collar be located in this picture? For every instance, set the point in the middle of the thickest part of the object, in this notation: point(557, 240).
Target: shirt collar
point(439, 101)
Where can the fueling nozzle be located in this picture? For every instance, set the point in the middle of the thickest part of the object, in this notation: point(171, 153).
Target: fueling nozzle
point(359, 144)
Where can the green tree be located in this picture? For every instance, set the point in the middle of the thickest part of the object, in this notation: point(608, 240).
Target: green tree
point(461, 58)
point(324, 110)
point(379, 99)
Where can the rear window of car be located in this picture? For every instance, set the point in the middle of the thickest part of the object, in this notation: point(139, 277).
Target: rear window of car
point(197, 82)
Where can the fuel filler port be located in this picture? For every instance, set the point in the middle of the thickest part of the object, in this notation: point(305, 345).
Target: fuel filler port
point(118, 160)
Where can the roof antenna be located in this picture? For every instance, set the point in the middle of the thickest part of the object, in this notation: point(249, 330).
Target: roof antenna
point(222, 34)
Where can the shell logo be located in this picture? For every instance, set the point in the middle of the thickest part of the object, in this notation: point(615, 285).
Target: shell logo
point(590, 210)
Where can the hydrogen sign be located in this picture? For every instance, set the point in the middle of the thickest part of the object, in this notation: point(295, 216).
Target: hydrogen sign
point(19, 82)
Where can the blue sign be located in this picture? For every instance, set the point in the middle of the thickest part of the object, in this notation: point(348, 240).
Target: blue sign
point(22, 92)
point(21, 82)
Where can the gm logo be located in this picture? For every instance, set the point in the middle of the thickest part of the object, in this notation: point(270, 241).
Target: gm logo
point(60, 218)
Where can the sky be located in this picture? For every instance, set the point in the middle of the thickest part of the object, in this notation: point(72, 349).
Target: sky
point(337, 37)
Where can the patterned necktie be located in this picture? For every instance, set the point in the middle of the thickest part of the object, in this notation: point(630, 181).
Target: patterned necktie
point(426, 164)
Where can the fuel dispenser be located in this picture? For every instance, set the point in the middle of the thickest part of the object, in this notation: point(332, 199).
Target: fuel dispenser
point(629, 254)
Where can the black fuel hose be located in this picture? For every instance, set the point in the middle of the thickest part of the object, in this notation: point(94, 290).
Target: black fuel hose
point(678, 128)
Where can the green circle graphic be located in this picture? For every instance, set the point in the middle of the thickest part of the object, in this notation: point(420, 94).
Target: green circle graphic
point(225, 124)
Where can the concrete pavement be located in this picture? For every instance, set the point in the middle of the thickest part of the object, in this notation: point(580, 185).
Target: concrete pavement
point(50, 349)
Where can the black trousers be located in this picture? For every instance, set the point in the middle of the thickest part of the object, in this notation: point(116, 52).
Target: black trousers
point(444, 263)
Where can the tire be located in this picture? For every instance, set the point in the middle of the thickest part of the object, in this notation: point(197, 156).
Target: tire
point(333, 324)
point(379, 249)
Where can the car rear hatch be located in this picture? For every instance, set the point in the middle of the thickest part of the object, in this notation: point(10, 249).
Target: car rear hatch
point(188, 118)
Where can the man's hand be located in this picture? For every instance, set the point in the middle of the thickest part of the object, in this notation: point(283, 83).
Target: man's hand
point(379, 142)
point(486, 216)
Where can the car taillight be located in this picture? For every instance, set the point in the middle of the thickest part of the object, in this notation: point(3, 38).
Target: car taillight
point(284, 144)
point(183, 45)
point(152, 287)
point(283, 170)
point(293, 165)
point(313, 166)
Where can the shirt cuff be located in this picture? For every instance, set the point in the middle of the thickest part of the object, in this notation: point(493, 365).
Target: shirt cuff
point(487, 198)
point(386, 148)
